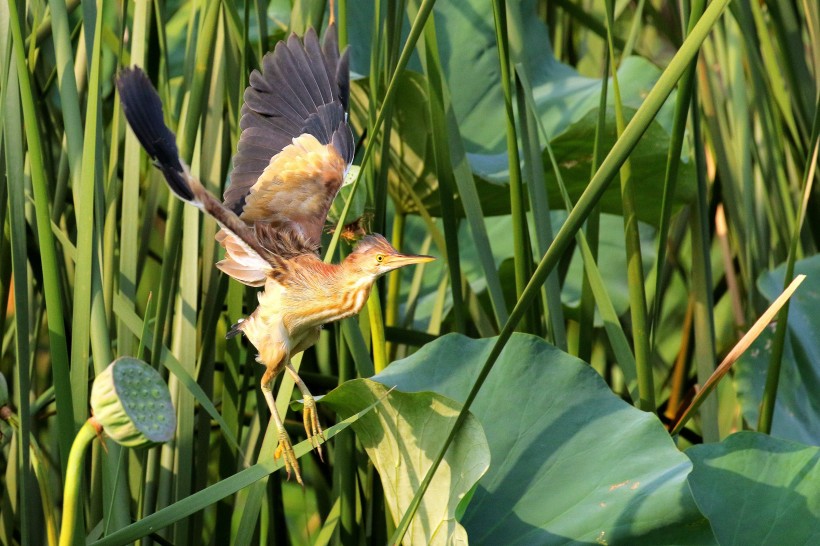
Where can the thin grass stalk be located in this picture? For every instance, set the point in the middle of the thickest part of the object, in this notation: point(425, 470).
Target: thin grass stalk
point(384, 54)
point(231, 485)
point(232, 376)
point(790, 34)
point(551, 291)
point(776, 125)
point(712, 109)
point(517, 206)
point(740, 121)
point(5, 245)
point(190, 124)
point(213, 284)
point(767, 404)
point(40, 465)
point(379, 68)
point(173, 235)
point(463, 176)
point(634, 29)
point(446, 184)
point(599, 183)
point(588, 21)
point(344, 465)
point(682, 101)
point(235, 30)
point(636, 281)
point(391, 317)
point(111, 200)
point(593, 278)
point(586, 319)
point(376, 322)
point(51, 272)
point(344, 458)
point(341, 20)
point(84, 206)
point(185, 341)
point(13, 142)
point(681, 365)
point(95, 329)
point(701, 288)
point(375, 86)
point(354, 340)
point(129, 208)
point(69, 99)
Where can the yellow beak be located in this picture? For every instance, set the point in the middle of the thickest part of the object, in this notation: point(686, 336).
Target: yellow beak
point(400, 260)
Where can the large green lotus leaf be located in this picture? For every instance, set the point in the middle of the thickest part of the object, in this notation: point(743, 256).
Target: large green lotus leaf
point(565, 101)
point(571, 462)
point(756, 489)
point(797, 407)
point(401, 436)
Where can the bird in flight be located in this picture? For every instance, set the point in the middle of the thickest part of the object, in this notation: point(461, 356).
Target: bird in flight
point(294, 150)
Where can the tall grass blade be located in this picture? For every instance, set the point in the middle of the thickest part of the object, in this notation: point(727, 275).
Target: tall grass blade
point(22, 486)
point(539, 205)
point(517, 206)
point(48, 256)
point(683, 99)
point(764, 423)
point(637, 292)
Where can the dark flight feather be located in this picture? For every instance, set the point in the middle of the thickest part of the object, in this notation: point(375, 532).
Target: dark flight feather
point(303, 88)
point(143, 110)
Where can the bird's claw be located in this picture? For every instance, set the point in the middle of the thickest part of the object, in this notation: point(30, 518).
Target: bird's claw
point(313, 429)
point(285, 450)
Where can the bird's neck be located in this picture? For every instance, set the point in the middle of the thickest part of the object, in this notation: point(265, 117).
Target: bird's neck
point(325, 293)
point(351, 288)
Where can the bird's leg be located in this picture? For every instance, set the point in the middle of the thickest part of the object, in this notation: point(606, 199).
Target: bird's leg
point(309, 415)
point(285, 448)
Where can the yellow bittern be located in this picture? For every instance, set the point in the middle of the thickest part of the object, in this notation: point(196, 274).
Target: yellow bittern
point(294, 150)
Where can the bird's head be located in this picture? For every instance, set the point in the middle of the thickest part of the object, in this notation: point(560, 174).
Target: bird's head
point(374, 257)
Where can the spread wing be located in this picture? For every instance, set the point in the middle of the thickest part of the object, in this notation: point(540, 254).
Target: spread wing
point(253, 256)
point(295, 144)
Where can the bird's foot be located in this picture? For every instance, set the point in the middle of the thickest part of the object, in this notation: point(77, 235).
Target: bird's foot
point(285, 450)
point(313, 429)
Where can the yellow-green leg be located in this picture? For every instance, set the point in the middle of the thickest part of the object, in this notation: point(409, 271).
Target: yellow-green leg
point(285, 447)
point(310, 416)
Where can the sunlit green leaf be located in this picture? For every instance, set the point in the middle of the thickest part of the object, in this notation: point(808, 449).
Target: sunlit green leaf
point(400, 436)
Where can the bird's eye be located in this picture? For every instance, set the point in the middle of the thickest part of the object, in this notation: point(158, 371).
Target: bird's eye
point(380, 258)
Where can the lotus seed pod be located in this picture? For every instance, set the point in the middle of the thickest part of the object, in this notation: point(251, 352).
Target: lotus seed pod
point(132, 403)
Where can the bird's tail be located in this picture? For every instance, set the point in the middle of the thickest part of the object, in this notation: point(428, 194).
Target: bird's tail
point(143, 110)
